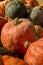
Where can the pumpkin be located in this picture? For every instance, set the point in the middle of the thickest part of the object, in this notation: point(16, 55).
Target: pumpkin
point(37, 15)
point(41, 5)
point(30, 3)
point(9, 60)
point(2, 8)
point(3, 21)
point(15, 9)
point(39, 31)
point(7, 1)
point(34, 54)
point(16, 34)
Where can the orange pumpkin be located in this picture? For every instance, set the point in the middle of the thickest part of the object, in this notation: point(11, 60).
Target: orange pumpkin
point(41, 5)
point(9, 60)
point(16, 33)
point(30, 3)
point(2, 8)
point(34, 54)
point(39, 31)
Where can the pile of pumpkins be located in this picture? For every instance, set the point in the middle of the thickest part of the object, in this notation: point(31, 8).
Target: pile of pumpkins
point(21, 32)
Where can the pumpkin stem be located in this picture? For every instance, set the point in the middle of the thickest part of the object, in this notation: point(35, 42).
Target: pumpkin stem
point(16, 21)
point(27, 44)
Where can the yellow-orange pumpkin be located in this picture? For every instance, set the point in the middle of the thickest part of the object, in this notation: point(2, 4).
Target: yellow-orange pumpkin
point(15, 33)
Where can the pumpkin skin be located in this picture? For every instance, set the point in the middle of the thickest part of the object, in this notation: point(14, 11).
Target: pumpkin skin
point(3, 21)
point(9, 60)
point(30, 3)
point(15, 9)
point(16, 35)
point(34, 54)
point(2, 8)
point(37, 15)
point(41, 5)
point(39, 31)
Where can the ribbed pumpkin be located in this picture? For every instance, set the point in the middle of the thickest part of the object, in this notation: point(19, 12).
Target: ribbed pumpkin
point(15, 34)
point(39, 30)
point(37, 15)
point(9, 60)
point(15, 9)
point(34, 54)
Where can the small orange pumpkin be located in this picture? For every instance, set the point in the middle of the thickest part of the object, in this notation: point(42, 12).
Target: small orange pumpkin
point(9, 60)
point(34, 54)
point(15, 33)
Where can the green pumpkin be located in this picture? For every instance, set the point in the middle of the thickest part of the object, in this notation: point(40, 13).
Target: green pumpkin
point(15, 9)
point(37, 15)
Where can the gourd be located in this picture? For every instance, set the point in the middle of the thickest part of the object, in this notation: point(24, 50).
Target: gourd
point(34, 54)
point(17, 35)
point(37, 15)
point(15, 9)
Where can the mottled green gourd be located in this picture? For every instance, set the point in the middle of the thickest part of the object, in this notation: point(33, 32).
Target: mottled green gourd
point(15, 9)
point(37, 15)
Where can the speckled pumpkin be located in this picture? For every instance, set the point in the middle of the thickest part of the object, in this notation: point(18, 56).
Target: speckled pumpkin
point(15, 33)
point(37, 15)
point(34, 54)
point(15, 9)
point(9, 60)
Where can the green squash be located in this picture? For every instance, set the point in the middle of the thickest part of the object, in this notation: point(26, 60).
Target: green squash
point(15, 9)
point(37, 15)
